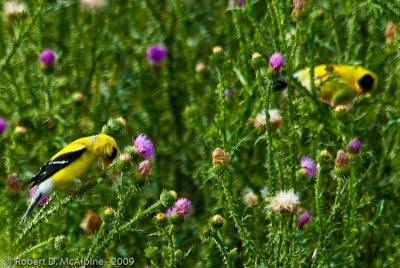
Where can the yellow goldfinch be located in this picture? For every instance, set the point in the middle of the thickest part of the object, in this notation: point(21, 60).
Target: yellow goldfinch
point(69, 164)
point(338, 84)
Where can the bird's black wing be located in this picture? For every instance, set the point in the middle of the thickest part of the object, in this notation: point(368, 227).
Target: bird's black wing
point(55, 165)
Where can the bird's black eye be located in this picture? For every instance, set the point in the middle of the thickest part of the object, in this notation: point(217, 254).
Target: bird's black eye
point(113, 155)
point(366, 82)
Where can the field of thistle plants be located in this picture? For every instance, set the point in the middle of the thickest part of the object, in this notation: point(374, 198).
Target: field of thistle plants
point(225, 159)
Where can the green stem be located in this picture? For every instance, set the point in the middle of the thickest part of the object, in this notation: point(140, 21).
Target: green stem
point(266, 95)
point(280, 240)
point(222, 248)
point(128, 226)
point(251, 249)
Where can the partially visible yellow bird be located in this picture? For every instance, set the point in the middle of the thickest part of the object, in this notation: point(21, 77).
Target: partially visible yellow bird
point(338, 84)
point(69, 164)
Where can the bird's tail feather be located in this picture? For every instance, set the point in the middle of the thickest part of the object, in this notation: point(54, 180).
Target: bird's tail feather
point(30, 208)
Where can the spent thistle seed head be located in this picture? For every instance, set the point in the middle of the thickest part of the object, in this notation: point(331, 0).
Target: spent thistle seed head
point(275, 117)
point(284, 201)
point(156, 54)
point(250, 199)
point(91, 222)
point(219, 156)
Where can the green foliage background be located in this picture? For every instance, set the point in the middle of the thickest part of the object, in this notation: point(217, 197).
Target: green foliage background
point(101, 54)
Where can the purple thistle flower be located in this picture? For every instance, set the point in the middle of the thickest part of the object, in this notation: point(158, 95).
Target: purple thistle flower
point(144, 146)
point(182, 207)
point(169, 211)
point(240, 3)
point(156, 53)
point(308, 165)
point(47, 57)
point(276, 61)
point(303, 219)
point(354, 146)
point(227, 92)
point(43, 200)
point(3, 125)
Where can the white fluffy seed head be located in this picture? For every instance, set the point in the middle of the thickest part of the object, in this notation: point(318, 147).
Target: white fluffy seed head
point(250, 199)
point(284, 201)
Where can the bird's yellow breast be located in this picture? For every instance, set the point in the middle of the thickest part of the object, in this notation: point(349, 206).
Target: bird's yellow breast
point(74, 170)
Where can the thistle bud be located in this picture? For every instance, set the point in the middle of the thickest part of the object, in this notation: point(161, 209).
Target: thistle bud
point(390, 31)
point(151, 253)
point(303, 219)
point(205, 233)
point(143, 169)
point(167, 197)
point(160, 219)
point(123, 162)
point(200, 67)
point(217, 221)
point(217, 53)
point(354, 147)
point(108, 211)
point(342, 163)
point(59, 242)
point(217, 50)
point(256, 60)
point(20, 130)
point(298, 6)
point(121, 121)
point(324, 153)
